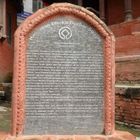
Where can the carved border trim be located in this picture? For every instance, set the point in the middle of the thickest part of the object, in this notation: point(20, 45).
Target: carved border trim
point(21, 36)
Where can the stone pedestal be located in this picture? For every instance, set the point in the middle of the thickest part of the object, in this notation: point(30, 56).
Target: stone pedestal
point(118, 135)
point(4, 136)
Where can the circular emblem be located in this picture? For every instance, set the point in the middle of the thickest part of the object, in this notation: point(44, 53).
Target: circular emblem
point(65, 33)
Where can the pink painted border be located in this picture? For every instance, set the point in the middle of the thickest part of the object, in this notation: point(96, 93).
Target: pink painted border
point(21, 36)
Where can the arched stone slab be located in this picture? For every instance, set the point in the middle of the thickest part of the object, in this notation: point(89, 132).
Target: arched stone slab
point(63, 73)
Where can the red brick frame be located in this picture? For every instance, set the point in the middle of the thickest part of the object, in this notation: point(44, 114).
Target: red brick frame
point(21, 36)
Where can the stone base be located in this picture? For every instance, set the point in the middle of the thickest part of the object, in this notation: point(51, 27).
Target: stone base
point(118, 135)
point(3, 136)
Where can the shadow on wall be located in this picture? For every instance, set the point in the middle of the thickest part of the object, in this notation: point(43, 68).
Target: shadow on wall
point(132, 93)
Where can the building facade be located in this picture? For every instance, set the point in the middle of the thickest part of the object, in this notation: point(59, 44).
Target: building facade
point(8, 25)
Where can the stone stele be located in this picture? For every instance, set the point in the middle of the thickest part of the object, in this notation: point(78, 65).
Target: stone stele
point(63, 85)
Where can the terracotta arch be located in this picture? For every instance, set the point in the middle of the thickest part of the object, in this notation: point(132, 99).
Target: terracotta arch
point(21, 36)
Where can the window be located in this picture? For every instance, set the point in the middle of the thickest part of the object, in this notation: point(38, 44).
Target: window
point(37, 4)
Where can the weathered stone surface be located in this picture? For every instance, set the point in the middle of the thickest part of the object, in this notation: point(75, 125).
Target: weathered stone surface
point(64, 84)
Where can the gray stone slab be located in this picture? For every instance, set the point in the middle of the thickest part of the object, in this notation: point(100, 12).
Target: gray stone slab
point(64, 84)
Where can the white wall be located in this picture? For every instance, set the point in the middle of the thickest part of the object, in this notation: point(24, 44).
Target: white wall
point(28, 6)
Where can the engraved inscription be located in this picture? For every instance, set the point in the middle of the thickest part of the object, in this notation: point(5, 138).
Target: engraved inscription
point(64, 84)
